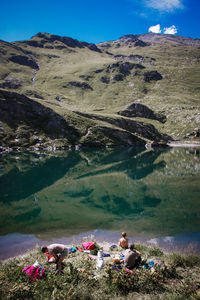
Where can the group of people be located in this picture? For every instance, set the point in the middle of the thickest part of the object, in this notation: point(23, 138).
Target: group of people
point(59, 252)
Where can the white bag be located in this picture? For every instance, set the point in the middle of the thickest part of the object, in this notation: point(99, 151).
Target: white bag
point(100, 260)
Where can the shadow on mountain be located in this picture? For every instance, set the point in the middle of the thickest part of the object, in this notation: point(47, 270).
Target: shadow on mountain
point(17, 109)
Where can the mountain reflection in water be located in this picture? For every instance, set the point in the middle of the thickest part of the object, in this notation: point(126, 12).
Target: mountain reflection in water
point(148, 193)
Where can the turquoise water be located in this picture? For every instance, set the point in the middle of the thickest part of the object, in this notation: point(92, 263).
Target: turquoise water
point(153, 195)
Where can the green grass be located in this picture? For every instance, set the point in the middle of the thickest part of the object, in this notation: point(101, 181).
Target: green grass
point(170, 280)
point(176, 95)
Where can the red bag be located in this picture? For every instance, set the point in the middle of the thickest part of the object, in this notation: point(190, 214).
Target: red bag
point(51, 259)
point(88, 245)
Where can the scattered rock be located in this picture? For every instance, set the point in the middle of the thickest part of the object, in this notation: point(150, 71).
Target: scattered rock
point(119, 57)
point(82, 85)
point(106, 45)
point(11, 83)
point(136, 57)
point(58, 98)
point(52, 56)
point(109, 53)
point(86, 77)
point(128, 38)
point(118, 77)
point(126, 67)
point(33, 94)
point(138, 66)
point(105, 79)
point(98, 71)
point(195, 133)
point(140, 43)
point(60, 47)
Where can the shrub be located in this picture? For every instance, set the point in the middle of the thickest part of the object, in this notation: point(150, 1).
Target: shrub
point(140, 280)
point(183, 261)
point(154, 251)
point(95, 250)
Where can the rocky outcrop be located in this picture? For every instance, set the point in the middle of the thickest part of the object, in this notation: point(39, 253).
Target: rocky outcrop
point(140, 43)
point(136, 57)
point(142, 111)
point(152, 75)
point(143, 130)
point(131, 39)
point(101, 136)
point(42, 40)
point(123, 67)
point(24, 60)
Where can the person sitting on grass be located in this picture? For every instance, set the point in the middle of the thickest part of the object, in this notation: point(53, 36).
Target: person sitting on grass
point(59, 251)
point(132, 258)
point(123, 242)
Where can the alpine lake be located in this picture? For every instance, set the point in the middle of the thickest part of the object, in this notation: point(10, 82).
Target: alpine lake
point(63, 196)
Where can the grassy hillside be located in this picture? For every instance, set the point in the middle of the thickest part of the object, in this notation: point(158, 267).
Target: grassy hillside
point(156, 72)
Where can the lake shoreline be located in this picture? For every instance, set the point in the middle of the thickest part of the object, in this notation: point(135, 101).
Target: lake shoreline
point(21, 244)
point(79, 148)
point(184, 144)
point(160, 275)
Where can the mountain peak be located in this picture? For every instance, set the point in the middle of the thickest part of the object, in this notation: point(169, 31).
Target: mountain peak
point(47, 40)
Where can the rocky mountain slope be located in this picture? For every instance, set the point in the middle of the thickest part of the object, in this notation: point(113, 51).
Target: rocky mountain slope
point(57, 92)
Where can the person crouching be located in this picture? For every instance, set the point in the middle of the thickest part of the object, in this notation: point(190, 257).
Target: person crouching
point(59, 252)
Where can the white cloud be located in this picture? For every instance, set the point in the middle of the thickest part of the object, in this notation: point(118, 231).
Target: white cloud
point(170, 30)
point(164, 5)
point(155, 29)
point(167, 30)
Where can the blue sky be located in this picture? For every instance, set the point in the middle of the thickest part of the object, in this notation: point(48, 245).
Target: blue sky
point(96, 21)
